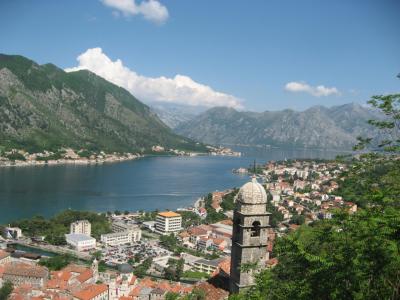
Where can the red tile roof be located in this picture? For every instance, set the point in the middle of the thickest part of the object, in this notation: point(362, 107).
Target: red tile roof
point(91, 291)
point(212, 292)
point(4, 254)
point(85, 276)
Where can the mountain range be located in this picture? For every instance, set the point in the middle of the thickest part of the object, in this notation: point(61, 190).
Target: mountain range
point(336, 127)
point(44, 107)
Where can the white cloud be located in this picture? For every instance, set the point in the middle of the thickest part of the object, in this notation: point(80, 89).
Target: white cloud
point(317, 91)
point(151, 10)
point(180, 89)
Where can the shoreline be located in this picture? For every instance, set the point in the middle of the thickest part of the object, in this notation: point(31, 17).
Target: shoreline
point(97, 161)
point(64, 162)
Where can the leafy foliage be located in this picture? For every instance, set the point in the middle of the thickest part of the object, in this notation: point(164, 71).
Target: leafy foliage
point(189, 219)
point(212, 215)
point(6, 290)
point(352, 256)
point(141, 270)
point(54, 229)
point(174, 269)
point(389, 127)
point(56, 263)
point(52, 109)
point(348, 257)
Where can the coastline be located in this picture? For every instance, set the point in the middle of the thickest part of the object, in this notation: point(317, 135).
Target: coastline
point(73, 159)
point(58, 162)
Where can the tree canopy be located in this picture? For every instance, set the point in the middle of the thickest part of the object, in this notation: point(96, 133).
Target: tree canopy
point(351, 256)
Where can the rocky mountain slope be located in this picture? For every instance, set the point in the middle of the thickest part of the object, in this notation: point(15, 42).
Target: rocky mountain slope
point(318, 127)
point(43, 107)
point(173, 115)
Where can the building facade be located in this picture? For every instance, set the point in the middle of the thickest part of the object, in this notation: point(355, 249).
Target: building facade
point(81, 227)
point(130, 236)
point(20, 273)
point(12, 232)
point(80, 242)
point(250, 235)
point(168, 222)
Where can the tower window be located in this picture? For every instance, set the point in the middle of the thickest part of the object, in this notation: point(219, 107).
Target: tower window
point(255, 230)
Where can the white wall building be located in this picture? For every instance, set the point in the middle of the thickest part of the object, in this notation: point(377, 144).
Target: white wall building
point(122, 237)
point(80, 242)
point(150, 225)
point(81, 227)
point(168, 222)
point(12, 232)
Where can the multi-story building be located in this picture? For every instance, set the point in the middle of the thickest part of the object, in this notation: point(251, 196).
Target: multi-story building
point(81, 227)
point(168, 222)
point(122, 237)
point(207, 266)
point(21, 273)
point(81, 242)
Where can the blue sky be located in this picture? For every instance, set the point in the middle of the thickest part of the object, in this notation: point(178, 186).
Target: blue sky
point(259, 54)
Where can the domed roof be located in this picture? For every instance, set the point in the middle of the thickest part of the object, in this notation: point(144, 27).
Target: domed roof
point(252, 192)
point(125, 268)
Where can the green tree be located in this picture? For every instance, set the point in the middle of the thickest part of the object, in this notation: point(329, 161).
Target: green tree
point(172, 296)
point(141, 270)
point(351, 256)
point(389, 127)
point(6, 290)
point(174, 269)
point(57, 262)
point(97, 255)
point(190, 218)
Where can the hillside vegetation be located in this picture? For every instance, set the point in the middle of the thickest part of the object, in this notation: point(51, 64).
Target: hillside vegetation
point(43, 107)
point(351, 256)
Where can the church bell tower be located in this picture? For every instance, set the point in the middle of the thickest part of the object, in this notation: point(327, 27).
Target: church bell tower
point(249, 236)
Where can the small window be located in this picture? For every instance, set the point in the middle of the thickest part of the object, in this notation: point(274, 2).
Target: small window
point(255, 229)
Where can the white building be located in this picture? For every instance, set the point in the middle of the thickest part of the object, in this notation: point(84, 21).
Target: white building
point(80, 242)
point(122, 237)
point(150, 225)
point(168, 222)
point(12, 232)
point(121, 226)
point(81, 227)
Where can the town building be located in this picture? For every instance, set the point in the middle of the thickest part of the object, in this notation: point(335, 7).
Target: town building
point(80, 242)
point(168, 222)
point(249, 236)
point(5, 257)
point(12, 232)
point(92, 292)
point(123, 237)
point(207, 266)
point(150, 225)
point(22, 273)
point(81, 227)
point(121, 226)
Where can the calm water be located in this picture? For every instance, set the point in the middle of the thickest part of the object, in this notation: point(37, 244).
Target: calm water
point(149, 183)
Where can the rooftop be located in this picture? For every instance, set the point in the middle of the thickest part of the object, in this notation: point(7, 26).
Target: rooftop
point(91, 291)
point(25, 270)
point(4, 254)
point(78, 237)
point(169, 214)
